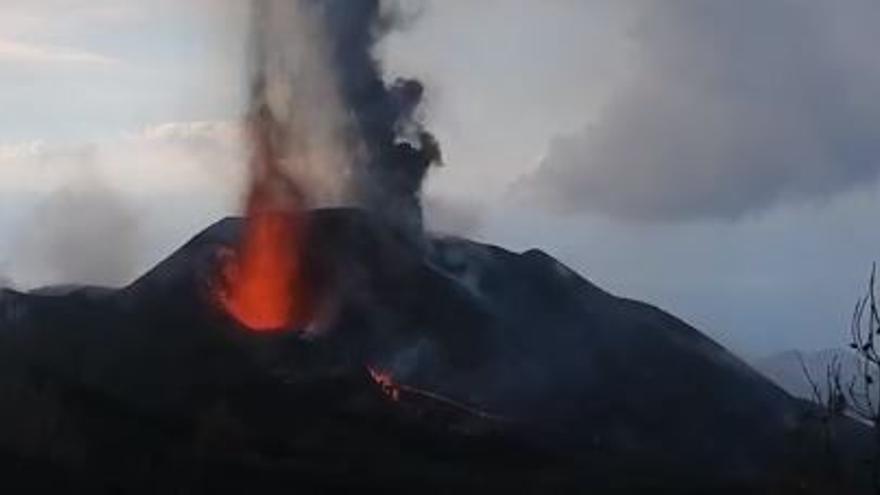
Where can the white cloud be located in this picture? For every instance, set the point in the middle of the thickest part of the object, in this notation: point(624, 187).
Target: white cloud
point(106, 211)
point(16, 51)
point(18, 151)
point(158, 159)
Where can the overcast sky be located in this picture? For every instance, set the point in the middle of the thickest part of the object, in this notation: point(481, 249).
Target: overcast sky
point(718, 159)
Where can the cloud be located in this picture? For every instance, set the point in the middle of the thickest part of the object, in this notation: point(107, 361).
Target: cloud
point(41, 17)
point(732, 108)
point(104, 212)
point(174, 157)
point(14, 51)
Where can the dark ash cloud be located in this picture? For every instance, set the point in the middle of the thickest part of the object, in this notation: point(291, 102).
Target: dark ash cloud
point(399, 149)
point(733, 107)
point(389, 149)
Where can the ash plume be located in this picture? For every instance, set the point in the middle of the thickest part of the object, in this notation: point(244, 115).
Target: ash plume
point(343, 134)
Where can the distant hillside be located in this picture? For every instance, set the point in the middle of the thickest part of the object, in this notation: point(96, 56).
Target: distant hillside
point(785, 369)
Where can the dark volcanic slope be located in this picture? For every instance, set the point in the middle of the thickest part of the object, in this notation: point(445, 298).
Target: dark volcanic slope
point(572, 370)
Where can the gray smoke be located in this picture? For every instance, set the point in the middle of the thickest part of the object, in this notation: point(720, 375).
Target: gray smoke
point(86, 234)
point(733, 107)
point(452, 216)
point(344, 133)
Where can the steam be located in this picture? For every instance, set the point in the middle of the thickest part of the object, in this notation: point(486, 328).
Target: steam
point(343, 134)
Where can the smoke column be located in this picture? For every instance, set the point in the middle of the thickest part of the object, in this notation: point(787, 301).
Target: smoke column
point(323, 128)
point(341, 133)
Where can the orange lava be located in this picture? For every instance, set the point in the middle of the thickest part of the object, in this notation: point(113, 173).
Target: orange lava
point(386, 383)
point(263, 280)
point(263, 284)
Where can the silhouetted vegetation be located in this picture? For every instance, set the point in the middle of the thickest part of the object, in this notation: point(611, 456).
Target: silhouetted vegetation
point(863, 389)
point(831, 403)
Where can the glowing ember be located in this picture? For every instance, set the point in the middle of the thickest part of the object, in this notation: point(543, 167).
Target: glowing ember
point(386, 383)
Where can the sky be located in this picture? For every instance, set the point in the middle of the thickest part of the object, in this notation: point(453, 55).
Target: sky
point(717, 159)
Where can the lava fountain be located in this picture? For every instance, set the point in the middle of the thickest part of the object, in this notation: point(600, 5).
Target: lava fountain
point(263, 284)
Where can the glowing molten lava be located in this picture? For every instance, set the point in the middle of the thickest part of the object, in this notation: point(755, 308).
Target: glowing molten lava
point(386, 383)
point(263, 280)
point(263, 284)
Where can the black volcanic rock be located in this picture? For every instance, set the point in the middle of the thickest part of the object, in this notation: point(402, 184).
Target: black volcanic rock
point(552, 380)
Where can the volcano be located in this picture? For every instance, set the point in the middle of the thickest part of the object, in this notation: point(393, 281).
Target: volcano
point(436, 362)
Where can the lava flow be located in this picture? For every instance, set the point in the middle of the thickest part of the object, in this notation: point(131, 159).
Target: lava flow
point(386, 383)
point(263, 284)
